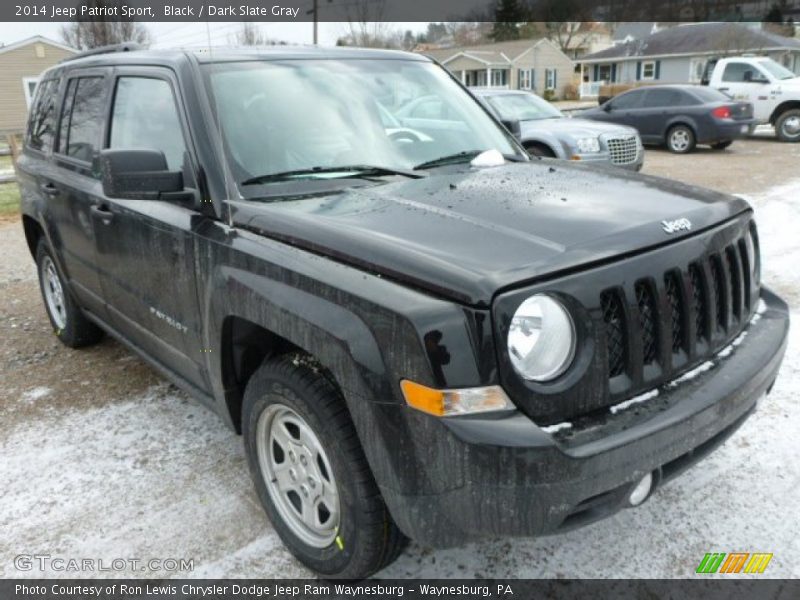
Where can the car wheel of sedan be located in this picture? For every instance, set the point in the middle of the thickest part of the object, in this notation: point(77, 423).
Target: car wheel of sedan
point(310, 471)
point(788, 126)
point(721, 145)
point(69, 323)
point(538, 150)
point(680, 139)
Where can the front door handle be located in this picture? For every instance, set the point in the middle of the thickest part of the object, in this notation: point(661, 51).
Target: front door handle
point(102, 212)
point(49, 189)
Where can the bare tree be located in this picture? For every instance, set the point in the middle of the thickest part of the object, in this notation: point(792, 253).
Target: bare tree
point(250, 35)
point(85, 35)
point(365, 25)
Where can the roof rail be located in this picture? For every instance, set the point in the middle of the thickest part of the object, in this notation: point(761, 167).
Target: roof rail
point(123, 47)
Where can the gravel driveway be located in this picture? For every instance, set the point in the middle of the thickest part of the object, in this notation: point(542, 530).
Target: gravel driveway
point(103, 459)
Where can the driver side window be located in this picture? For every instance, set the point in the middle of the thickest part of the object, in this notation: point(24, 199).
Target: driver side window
point(741, 73)
point(145, 117)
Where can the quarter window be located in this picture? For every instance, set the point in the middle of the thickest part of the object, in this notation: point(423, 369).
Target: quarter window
point(145, 116)
point(42, 122)
point(82, 118)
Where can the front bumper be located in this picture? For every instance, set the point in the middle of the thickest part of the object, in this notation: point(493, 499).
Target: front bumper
point(505, 476)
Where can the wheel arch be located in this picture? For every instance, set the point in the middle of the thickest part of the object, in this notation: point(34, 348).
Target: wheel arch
point(782, 108)
point(33, 233)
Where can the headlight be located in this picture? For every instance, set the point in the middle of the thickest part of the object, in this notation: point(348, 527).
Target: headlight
point(541, 340)
point(588, 145)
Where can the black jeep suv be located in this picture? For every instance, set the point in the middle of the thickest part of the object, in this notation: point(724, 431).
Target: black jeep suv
point(418, 330)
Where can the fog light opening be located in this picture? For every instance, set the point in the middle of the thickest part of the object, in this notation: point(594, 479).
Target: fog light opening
point(641, 490)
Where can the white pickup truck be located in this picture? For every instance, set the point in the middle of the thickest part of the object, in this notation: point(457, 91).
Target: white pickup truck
point(773, 90)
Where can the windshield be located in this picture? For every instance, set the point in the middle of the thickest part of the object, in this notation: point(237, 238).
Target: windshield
point(522, 107)
point(776, 70)
point(290, 116)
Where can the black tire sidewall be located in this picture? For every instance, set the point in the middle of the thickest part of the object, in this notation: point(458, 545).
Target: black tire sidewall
point(692, 139)
point(270, 386)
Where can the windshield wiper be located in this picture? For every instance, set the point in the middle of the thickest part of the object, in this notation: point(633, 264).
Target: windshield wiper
point(450, 159)
point(350, 170)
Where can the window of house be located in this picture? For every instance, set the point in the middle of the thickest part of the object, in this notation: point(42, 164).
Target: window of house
point(29, 86)
point(649, 70)
point(525, 79)
point(82, 118)
point(42, 121)
point(697, 68)
point(499, 77)
point(145, 116)
point(549, 79)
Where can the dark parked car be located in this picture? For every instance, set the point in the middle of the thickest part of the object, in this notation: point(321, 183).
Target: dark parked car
point(680, 116)
point(546, 131)
point(431, 335)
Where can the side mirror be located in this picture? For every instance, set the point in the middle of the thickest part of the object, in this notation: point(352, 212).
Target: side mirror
point(607, 107)
point(138, 175)
point(513, 127)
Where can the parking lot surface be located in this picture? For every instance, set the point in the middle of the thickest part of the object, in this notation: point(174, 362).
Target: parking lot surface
point(102, 459)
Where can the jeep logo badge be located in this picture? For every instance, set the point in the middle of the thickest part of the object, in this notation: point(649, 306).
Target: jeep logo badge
point(676, 225)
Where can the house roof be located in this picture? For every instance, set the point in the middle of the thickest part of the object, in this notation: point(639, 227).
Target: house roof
point(504, 52)
point(696, 38)
point(635, 30)
point(36, 39)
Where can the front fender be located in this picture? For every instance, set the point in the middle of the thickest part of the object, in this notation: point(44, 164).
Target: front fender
point(369, 332)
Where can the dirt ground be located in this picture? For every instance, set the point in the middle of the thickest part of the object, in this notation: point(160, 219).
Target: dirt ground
point(101, 458)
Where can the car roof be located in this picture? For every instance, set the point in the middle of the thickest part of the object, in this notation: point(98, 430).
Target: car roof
point(235, 54)
point(688, 87)
point(499, 92)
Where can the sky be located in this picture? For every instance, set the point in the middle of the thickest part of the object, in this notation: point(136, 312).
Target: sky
point(194, 33)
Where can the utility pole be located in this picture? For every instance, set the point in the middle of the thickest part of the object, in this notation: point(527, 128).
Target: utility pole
point(315, 11)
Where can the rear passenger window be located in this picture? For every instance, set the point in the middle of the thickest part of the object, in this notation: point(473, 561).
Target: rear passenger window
point(82, 118)
point(627, 100)
point(145, 117)
point(42, 121)
point(659, 98)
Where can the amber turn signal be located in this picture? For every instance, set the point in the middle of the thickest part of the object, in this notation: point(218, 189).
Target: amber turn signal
point(446, 403)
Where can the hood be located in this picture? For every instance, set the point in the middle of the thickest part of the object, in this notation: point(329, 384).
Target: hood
point(574, 127)
point(792, 83)
point(469, 233)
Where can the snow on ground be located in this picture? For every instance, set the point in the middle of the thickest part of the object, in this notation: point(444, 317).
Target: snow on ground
point(157, 476)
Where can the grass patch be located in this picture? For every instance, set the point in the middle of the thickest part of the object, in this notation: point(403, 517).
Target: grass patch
point(5, 163)
point(9, 199)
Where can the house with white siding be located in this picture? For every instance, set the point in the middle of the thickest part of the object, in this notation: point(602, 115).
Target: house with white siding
point(537, 65)
point(679, 54)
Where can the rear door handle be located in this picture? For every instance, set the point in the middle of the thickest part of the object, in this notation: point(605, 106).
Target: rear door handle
point(49, 189)
point(102, 212)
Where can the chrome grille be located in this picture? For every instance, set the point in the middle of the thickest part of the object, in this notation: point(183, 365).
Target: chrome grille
point(623, 150)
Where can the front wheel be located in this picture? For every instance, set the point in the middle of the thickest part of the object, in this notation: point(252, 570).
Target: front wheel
point(788, 126)
point(680, 139)
point(311, 474)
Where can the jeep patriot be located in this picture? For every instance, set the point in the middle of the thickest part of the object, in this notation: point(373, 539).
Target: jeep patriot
point(419, 330)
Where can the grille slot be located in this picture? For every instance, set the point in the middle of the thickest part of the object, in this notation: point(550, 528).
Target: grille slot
point(673, 287)
point(720, 298)
point(648, 321)
point(623, 150)
point(616, 335)
point(735, 279)
point(745, 274)
point(700, 302)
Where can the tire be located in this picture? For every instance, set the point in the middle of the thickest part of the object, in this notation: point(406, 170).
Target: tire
point(681, 139)
point(721, 145)
point(70, 325)
point(539, 150)
point(787, 127)
point(296, 427)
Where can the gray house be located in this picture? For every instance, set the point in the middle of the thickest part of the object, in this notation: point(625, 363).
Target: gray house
point(536, 65)
point(679, 54)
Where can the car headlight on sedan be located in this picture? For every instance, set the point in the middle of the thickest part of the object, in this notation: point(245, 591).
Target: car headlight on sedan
point(588, 145)
point(541, 339)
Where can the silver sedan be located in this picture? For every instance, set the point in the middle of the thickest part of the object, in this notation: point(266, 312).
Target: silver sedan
point(546, 131)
